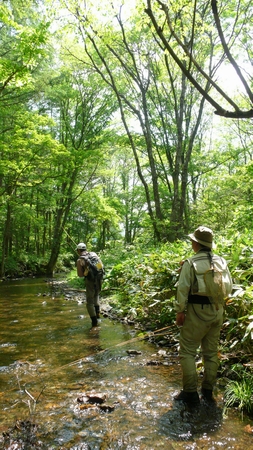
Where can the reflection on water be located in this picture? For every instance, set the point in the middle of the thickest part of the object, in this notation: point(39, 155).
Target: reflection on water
point(50, 359)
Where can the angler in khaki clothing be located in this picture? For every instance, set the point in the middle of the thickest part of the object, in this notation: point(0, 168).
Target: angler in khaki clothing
point(200, 318)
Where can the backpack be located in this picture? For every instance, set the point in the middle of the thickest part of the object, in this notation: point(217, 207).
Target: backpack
point(94, 268)
point(211, 277)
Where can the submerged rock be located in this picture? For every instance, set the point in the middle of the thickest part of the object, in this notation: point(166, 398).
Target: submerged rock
point(92, 398)
point(134, 352)
point(154, 362)
point(107, 408)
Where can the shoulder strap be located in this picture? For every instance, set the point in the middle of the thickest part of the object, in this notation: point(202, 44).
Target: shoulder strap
point(202, 256)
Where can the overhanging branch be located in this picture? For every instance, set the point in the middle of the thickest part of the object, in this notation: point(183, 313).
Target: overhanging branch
point(237, 113)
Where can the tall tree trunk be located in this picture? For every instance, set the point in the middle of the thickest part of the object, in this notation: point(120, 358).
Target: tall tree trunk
point(61, 216)
point(6, 243)
point(60, 222)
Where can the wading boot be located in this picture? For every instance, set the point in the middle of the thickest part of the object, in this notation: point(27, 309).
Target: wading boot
point(94, 321)
point(191, 398)
point(97, 311)
point(207, 395)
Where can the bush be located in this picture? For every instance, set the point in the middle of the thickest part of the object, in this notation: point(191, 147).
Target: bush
point(142, 284)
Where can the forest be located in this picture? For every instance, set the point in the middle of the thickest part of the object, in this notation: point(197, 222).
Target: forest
point(125, 125)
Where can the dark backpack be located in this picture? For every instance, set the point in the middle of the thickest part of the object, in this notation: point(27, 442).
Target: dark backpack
point(94, 268)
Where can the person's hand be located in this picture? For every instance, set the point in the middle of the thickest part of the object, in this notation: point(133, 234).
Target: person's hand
point(180, 318)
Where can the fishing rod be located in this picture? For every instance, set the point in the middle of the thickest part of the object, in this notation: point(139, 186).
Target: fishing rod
point(72, 240)
point(149, 334)
point(78, 361)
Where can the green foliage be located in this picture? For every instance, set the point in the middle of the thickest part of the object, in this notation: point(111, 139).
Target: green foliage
point(238, 251)
point(12, 267)
point(239, 392)
point(65, 262)
point(74, 281)
point(24, 265)
point(225, 196)
point(144, 282)
point(141, 283)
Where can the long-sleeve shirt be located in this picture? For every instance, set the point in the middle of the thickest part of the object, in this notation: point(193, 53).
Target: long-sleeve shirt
point(183, 287)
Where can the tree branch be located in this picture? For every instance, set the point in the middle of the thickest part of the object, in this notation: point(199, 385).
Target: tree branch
point(219, 110)
point(227, 51)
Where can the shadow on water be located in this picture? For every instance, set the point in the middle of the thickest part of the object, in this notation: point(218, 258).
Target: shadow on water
point(182, 423)
point(50, 362)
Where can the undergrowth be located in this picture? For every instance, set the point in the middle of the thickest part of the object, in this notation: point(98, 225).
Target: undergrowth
point(239, 391)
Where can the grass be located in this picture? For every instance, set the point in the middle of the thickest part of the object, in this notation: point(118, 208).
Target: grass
point(239, 393)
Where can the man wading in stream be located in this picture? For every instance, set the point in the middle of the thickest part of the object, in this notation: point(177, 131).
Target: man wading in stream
point(91, 268)
point(203, 284)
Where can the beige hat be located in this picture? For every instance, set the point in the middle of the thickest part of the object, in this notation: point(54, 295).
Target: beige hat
point(203, 236)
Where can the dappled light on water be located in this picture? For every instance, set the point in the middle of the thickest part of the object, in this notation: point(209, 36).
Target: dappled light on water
point(64, 386)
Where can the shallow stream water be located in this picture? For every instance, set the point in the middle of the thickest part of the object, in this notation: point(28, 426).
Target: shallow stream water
point(50, 361)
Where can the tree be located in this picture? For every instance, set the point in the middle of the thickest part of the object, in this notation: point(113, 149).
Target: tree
point(224, 195)
point(124, 190)
point(22, 133)
point(236, 17)
point(122, 54)
point(27, 153)
point(82, 114)
point(159, 110)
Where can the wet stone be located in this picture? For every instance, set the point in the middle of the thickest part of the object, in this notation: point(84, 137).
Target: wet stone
point(134, 352)
point(107, 408)
point(162, 353)
point(92, 398)
point(154, 362)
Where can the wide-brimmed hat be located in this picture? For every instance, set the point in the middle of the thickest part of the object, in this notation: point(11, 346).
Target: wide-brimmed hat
point(203, 236)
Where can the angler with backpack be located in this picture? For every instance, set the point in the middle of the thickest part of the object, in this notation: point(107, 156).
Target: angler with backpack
point(203, 285)
point(90, 266)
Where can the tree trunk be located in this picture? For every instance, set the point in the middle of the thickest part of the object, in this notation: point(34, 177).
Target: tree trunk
point(6, 244)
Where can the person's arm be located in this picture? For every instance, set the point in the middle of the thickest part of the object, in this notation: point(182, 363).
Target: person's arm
point(228, 283)
point(183, 289)
point(79, 268)
point(82, 266)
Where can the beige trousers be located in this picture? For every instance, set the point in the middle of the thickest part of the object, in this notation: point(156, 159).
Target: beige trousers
point(201, 329)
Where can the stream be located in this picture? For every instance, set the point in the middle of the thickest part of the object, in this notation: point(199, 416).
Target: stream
point(65, 386)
